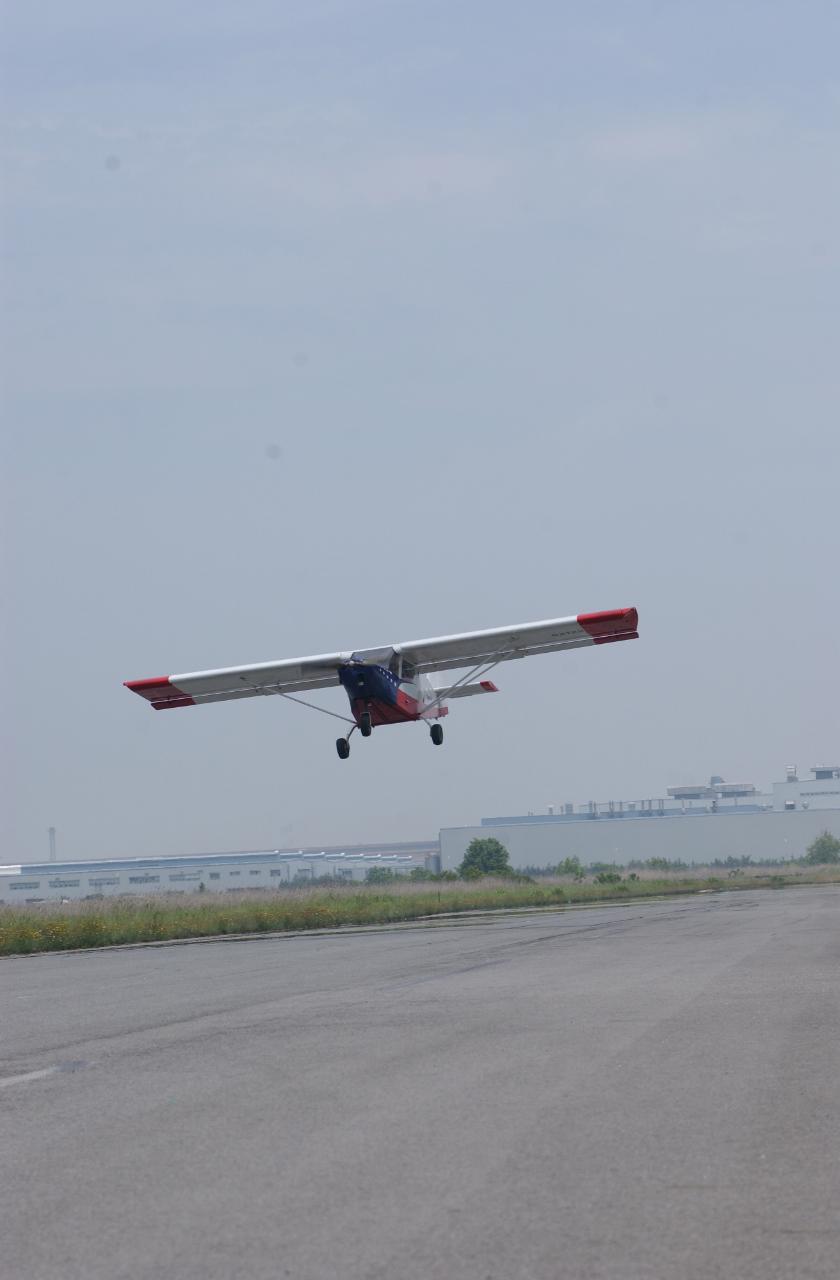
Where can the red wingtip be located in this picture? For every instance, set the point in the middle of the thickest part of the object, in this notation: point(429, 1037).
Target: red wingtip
point(613, 624)
point(160, 691)
point(488, 686)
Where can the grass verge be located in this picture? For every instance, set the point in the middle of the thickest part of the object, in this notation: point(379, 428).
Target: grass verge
point(110, 922)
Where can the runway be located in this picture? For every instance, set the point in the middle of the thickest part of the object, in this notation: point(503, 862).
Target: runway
point(646, 1091)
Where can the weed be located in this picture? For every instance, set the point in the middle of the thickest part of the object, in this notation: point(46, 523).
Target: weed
point(66, 926)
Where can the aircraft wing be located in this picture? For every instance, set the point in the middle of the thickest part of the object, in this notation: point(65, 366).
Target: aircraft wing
point(445, 653)
point(441, 653)
point(290, 675)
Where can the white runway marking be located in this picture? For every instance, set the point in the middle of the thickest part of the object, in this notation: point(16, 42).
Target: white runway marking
point(29, 1075)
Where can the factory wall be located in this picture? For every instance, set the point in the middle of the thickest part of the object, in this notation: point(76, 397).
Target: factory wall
point(807, 793)
point(64, 881)
point(694, 839)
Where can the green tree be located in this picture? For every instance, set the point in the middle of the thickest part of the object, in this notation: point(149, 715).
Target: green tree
point(487, 857)
point(380, 875)
point(570, 867)
point(826, 848)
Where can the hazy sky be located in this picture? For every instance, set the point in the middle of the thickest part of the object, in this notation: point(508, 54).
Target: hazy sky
point(333, 323)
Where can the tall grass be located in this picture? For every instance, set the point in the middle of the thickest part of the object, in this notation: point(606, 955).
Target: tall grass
point(109, 922)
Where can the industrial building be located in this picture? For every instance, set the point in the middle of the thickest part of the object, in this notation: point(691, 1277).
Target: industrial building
point(693, 824)
point(230, 872)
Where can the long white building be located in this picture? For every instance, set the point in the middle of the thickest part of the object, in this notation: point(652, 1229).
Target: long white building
point(220, 872)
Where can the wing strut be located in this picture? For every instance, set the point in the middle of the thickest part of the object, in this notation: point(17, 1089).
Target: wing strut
point(313, 707)
point(480, 670)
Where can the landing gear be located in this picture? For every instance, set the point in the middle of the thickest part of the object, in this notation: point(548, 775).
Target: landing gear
point(365, 726)
point(436, 732)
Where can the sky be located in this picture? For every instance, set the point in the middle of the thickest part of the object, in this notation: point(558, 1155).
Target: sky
point(333, 323)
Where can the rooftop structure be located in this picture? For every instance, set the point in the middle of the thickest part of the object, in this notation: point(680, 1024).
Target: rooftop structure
point(716, 796)
point(713, 790)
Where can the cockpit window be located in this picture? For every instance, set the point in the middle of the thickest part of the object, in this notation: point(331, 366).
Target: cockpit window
point(400, 666)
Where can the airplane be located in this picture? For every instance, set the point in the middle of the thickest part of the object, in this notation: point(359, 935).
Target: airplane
point(391, 685)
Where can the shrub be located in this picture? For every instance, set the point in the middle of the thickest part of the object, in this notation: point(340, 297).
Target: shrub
point(380, 875)
point(485, 857)
point(826, 848)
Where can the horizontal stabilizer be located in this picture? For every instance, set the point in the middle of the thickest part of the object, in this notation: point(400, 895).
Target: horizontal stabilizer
point(467, 690)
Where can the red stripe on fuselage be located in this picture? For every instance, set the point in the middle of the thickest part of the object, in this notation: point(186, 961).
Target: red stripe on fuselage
point(403, 709)
point(385, 712)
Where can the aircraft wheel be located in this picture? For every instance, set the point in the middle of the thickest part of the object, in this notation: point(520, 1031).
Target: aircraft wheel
point(437, 734)
point(342, 746)
point(365, 724)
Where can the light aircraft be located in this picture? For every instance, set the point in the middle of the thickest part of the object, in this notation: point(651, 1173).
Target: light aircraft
point(391, 685)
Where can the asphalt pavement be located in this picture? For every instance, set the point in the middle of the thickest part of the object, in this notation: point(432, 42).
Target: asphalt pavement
point(645, 1091)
